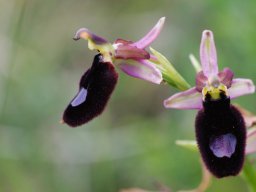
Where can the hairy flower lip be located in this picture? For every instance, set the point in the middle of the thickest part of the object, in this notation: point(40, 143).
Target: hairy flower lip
point(250, 123)
point(95, 88)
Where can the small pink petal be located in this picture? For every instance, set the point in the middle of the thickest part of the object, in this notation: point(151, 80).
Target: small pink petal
point(142, 69)
point(251, 141)
point(122, 41)
point(241, 87)
point(189, 99)
point(130, 52)
point(201, 81)
point(151, 35)
point(86, 34)
point(226, 77)
point(208, 54)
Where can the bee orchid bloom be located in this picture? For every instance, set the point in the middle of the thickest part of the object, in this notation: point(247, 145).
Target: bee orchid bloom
point(220, 127)
point(130, 57)
point(98, 82)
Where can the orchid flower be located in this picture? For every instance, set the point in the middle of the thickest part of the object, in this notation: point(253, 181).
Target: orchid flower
point(220, 127)
point(130, 57)
point(98, 82)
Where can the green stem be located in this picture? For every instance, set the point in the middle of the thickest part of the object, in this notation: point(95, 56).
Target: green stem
point(249, 175)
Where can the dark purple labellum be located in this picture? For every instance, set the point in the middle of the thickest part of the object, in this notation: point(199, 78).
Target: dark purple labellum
point(95, 88)
point(221, 137)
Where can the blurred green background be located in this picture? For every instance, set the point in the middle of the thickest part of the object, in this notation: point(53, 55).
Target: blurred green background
point(132, 144)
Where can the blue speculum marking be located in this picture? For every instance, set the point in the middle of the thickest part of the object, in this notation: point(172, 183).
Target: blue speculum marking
point(223, 145)
point(80, 98)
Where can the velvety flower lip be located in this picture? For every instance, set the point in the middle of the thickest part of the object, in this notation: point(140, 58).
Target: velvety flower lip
point(250, 122)
point(209, 77)
point(95, 89)
point(131, 57)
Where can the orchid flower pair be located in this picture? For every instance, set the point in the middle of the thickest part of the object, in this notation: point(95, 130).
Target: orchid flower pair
point(220, 127)
point(98, 82)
